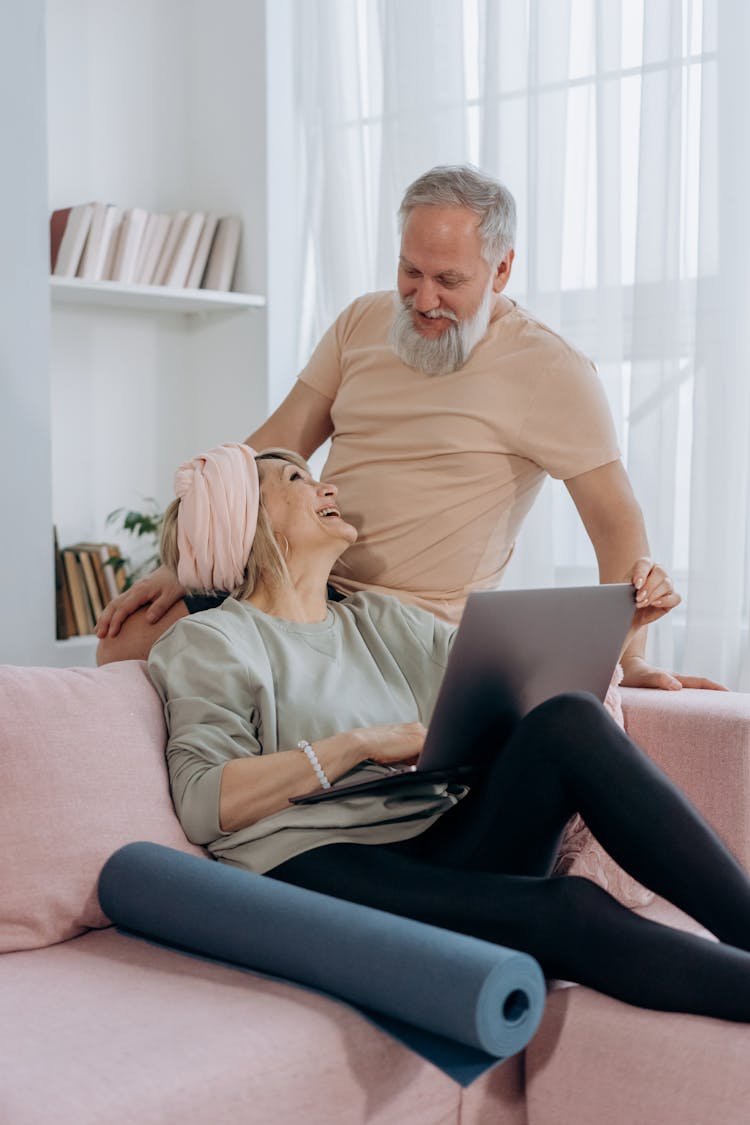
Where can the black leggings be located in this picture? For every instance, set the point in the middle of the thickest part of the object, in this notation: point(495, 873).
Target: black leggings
point(483, 868)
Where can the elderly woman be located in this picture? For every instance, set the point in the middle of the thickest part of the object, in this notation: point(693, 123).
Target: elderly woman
point(280, 689)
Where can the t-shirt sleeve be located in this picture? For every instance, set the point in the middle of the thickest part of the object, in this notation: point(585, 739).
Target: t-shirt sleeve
point(211, 716)
point(569, 427)
point(323, 371)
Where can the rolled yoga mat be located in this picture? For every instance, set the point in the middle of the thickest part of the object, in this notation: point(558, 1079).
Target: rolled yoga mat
point(469, 1003)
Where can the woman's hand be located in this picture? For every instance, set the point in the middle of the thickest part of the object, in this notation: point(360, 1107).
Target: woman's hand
point(259, 786)
point(392, 742)
point(159, 590)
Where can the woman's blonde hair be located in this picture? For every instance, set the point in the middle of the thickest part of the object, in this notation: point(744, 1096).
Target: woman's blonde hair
point(266, 560)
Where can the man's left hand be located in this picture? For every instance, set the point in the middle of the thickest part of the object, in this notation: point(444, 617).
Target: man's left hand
point(637, 672)
point(655, 596)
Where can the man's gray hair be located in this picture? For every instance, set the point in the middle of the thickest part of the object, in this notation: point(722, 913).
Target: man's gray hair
point(463, 185)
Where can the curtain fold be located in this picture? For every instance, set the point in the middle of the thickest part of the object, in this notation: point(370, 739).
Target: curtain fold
point(621, 129)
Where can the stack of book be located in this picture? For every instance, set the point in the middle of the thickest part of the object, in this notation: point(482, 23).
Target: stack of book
point(183, 250)
point(86, 580)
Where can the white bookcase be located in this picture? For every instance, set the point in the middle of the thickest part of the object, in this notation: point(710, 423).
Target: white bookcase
point(158, 105)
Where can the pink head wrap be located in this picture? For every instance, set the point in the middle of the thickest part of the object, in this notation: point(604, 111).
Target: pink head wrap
point(219, 494)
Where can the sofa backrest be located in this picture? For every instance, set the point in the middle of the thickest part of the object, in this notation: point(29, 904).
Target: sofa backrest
point(83, 772)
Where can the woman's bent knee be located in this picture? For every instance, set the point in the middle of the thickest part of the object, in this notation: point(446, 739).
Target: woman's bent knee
point(565, 718)
point(567, 909)
point(569, 707)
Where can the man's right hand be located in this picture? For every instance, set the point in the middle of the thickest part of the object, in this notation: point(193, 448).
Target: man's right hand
point(159, 590)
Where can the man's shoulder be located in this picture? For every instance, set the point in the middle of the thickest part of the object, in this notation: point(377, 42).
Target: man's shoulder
point(538, 336)
point(372, 312)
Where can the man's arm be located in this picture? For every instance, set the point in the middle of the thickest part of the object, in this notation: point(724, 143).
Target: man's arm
point(614, 523)
point(302, 422)
point(137, 632)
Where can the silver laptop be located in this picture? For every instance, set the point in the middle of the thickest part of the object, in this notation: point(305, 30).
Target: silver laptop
point(513, 650)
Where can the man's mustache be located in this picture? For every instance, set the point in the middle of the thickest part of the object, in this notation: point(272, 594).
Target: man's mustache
point(433, 314)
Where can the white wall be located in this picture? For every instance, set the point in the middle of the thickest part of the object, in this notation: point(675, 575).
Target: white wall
point(158, 105)
point(153, 103)
point(26, 560)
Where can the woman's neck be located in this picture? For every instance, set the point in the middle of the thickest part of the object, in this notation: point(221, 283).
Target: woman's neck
point(304, 599)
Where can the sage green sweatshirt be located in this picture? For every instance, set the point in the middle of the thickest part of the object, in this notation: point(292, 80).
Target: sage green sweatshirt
point(237, 682)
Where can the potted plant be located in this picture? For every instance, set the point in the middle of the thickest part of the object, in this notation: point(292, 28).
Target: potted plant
point(145, 528)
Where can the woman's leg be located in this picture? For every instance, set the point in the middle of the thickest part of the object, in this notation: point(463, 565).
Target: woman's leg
point(480, 869)
point(572, 927)
point(568, 756)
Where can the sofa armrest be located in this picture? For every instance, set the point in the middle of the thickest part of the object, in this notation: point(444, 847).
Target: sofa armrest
point(701, 739)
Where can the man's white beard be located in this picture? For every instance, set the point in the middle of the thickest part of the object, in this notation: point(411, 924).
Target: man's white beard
point(446, 352)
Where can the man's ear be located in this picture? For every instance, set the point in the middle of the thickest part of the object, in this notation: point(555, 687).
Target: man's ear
point(502, 273)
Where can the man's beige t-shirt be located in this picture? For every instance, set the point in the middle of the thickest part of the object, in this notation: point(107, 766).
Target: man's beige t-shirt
point(437, 472)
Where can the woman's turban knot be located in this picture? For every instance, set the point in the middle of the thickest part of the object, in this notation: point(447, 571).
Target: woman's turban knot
point(217, 517)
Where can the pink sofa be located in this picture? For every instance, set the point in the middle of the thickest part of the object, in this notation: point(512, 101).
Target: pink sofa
point(100, 1029)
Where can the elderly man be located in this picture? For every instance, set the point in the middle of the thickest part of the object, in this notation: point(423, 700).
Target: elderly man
point(445, 412)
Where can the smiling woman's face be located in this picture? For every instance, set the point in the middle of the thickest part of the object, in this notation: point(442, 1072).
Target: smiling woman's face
point(300, 508)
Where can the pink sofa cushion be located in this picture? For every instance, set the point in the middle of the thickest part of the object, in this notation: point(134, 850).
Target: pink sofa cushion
point(82, 752)
point(596, 1060)
point(105, 1030)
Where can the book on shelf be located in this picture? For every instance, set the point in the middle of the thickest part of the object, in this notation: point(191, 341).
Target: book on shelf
point(184, 250)
point(222, 259)
point(110, 579)
point(93, 590)
point(129, 243)
point(109, 259)
point(202, 251)
point(102, 235)
point(154, 237)
point(73, 239)
point(101, 554)
point(84, 618)
point(85, 581)
point(176, 226)
point(65, 621)
point(57, 222)
point(116, 565)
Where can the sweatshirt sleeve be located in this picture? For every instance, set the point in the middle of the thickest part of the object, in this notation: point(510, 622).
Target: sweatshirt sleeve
point(211, 707)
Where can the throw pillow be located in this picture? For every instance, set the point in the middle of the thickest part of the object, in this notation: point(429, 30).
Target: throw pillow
point(84, 772)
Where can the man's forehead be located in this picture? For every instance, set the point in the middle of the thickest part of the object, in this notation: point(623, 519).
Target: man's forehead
point(448, 231)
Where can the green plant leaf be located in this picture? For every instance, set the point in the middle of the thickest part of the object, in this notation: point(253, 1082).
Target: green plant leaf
point(138, 524)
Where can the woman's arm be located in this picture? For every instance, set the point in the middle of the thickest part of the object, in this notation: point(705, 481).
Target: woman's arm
point(221, 780)
point(254, 788)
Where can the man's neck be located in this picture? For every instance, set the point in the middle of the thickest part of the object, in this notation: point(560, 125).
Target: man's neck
point(501, 306)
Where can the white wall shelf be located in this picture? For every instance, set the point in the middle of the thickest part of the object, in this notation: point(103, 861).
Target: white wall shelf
point(157, 298)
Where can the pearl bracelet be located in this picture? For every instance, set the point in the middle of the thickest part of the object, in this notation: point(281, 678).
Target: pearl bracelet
point(312, 758)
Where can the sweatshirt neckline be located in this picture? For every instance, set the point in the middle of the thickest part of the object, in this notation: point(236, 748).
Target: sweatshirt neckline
point(284, 626)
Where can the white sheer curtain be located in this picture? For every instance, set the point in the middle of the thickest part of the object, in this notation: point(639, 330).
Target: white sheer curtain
point(621, 128)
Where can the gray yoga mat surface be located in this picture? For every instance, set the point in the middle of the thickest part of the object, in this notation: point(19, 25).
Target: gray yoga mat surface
point(462, 1003)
